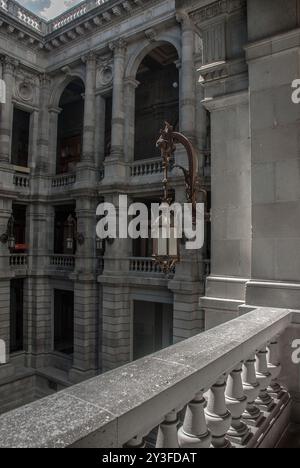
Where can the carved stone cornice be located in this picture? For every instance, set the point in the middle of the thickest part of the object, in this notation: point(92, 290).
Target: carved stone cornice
point(216, 9)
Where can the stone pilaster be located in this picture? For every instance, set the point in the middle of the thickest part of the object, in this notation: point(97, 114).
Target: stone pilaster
point(86, 292)
point(53, 123)
point(89, 109)
point(130, 90)
point(118, 117)
point(188, 82)
point(42, 163)
point(5, 213)
point(8, 66)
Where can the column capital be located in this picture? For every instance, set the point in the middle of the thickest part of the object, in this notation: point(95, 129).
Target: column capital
point(44, 80)
point(118, 47)
point(9, 64)
point(90, 58)
point(186, 23)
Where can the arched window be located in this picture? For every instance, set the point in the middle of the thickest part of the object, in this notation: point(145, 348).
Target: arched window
point(157, 99)
point(70, 127)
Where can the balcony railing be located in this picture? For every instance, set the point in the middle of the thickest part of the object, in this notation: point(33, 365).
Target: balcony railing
point(222, 382)
point(23, 15)
point(22, 181)
point(75, 13)
point(146, 167)
point(18, 260)
point(63, 180)
point(63, 262)
point(144, 265)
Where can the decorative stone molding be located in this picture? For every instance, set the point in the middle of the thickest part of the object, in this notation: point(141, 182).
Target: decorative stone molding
point(105, 75)
point(218, 8)
point(24, 91)
point(151, 35)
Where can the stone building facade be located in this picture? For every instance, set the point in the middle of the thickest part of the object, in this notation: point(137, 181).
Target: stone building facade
point(86, 95)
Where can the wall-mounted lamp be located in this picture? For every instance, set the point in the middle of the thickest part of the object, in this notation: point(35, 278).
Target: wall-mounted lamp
point(9, 237)
point(166, 252)
point(72, 234)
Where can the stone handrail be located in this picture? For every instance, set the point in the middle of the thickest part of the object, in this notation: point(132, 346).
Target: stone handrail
point(74, 13)
point(63, 180)
point(146, 167)
point(66, 262)
point(144, 265)
point(21, 180)
point(121, 407)
point(24, 15)
point(18, 260)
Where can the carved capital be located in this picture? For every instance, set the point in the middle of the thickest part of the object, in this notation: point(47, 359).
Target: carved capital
point(44, 80)
point(183, 18)
point(90, 58)
point(119, 46)
point(9, 64)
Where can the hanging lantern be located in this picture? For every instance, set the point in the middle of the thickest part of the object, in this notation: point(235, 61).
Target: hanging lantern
point(166, 251)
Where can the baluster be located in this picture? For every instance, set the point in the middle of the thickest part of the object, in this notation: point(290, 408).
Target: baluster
point(217, 415)
point(194, 432)
point(236, 402)
point(167, 436)
point(136, 443)
point(264, 377)
point(274, 366)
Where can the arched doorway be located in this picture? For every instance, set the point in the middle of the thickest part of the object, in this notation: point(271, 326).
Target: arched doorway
point(157, 99)
point(70, 127)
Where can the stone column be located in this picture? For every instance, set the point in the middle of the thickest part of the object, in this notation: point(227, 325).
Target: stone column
point(89, 109)
point(8, 66)
point(86, 302)
point(5, 213)
point(130, 89)
point(37, 291)
point(100, 131)
point(54, 113)
point(188, 82)
point(42, 163)
point(118, 116)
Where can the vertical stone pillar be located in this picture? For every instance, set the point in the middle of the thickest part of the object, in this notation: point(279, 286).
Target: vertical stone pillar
point(89, 109)
point(118, 115)
point(116, 322)
point(42, 163)
point(188, 82)
point(100, 131)
point(8, 66)
point(130, 87)
point(5, 213)
point(53, 123)
point(86, 302)
point(37, 291)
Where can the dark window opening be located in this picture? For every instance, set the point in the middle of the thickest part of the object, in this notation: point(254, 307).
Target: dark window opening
point(20, 138)
point(157, 99)
point(108, 118)
point(61, 230)
point(16, 315)
point(19, 214)
point(64, 321)
point(152, 328)
point(70, 127)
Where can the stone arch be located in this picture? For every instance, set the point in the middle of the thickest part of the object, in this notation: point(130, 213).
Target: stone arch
point(145, 47)
point(61, 84)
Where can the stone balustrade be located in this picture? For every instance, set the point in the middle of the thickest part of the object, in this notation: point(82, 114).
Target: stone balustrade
point(217, 389)
point(75, 13)
point(144, 265)
point(17, 260)
point(21, 180)
point(64, 262)
point(146, 167)
point(23, 15)
point(63, 180)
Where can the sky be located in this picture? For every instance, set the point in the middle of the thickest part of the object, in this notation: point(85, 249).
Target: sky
point(48, 9)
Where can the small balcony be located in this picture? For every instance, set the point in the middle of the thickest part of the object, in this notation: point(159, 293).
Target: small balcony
point(222, 388)
point(62, 262)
